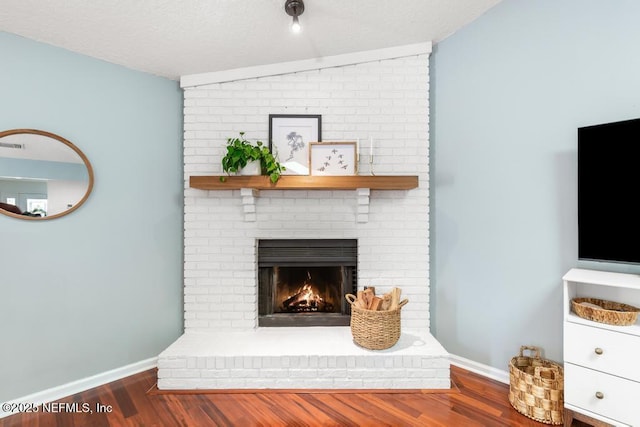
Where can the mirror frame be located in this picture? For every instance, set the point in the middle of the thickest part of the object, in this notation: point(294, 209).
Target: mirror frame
point(68, 144)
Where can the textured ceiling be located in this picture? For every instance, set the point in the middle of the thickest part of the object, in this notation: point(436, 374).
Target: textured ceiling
point(173, 38)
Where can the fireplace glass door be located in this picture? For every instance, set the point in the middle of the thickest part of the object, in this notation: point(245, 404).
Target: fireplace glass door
point(303, 282)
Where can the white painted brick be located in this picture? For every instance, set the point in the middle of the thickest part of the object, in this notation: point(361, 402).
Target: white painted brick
point(253, 371)
point(231, 383)
point(272, 373)
point(364, 373)
point(377, 383)
point(185, 373)
point(323, 362)
point(343, 383)
point(213, 373)
point(165, 363)
point(332, 373)
point(387, 100)
point(299, 374)
point(435, 363)
point(318, 383)
point(244, 373)
point(443, 373)
point(421, 373)
point(442, 383)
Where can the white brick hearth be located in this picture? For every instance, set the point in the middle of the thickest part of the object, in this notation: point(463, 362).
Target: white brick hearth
point(384, 99)
point(301, 358)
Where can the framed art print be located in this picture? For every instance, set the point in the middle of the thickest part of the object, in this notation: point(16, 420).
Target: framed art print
point(332, 158)
point(289, 139)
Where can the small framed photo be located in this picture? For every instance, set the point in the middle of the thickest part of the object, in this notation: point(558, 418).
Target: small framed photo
point(289, 139)
point(333, 158)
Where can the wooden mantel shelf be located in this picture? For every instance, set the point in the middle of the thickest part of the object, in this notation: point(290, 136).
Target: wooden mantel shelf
point(305, 182)
point(249, 187)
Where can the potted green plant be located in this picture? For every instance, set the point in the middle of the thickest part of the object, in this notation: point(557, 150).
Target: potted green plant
point(240, 152)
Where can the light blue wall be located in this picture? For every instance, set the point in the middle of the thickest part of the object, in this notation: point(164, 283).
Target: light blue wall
point(42, 169)
point(508, 93)
point(100, 288)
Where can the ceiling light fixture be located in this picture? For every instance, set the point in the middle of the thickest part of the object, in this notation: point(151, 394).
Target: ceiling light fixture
point(294, 8)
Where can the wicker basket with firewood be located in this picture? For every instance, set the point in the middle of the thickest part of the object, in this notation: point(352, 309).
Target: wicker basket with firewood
point(375, 320)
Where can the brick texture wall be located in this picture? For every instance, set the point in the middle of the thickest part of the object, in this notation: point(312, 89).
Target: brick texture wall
point(385, 100)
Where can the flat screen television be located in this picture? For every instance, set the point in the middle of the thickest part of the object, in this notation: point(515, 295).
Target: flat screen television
point(609, 192)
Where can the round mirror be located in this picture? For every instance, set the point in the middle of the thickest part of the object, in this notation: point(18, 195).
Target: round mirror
point(42, 175)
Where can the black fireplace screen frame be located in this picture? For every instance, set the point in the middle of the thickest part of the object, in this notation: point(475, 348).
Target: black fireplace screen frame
point(305, 253)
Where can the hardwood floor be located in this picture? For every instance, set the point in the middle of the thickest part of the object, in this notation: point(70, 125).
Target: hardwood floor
point(133, 401)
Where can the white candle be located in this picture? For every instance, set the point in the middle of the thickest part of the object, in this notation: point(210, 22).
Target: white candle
point(371, 149)
point(358, 149)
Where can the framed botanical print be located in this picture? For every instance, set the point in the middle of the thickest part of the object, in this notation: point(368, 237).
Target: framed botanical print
point(290, 136)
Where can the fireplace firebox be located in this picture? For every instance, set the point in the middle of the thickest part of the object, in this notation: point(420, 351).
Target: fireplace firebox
point(302, 282)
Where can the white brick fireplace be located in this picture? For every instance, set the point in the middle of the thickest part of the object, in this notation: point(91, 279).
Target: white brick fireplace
point(380, 96)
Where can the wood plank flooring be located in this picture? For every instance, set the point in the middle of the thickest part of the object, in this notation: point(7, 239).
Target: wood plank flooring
point(472, 401)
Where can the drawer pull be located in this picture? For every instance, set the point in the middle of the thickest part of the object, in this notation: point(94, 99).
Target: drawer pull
point(599, 395)
point(599, 351)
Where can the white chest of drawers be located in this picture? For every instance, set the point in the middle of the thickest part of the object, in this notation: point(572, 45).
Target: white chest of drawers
point(602, 362)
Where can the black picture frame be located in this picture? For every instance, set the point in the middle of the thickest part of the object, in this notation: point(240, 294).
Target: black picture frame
point(290, 136)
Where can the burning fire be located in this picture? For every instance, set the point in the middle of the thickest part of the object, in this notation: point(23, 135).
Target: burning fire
point(305, 298)
point(309, 295)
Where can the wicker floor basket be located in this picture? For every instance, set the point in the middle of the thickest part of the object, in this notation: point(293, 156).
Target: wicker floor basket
point(609, 312)
point(375, 330)
point(536, 387)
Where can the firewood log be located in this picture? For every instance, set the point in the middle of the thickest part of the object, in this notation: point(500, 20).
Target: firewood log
point(359, 302)
point(386, 302)
point(368, 295)
point(395, 298)
point(294, 300)
point(375, 304)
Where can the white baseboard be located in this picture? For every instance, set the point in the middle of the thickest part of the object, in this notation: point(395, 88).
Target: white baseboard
point(81, 385)
point(480, 368)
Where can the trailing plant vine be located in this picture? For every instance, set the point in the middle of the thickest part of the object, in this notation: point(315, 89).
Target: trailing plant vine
point(240, 151)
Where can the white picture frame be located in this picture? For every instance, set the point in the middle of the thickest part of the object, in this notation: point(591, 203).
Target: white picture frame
point(333, 158)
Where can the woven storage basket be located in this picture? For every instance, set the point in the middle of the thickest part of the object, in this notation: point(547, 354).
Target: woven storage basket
point(611, 313)
point(375, 330)
point(536, 387)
